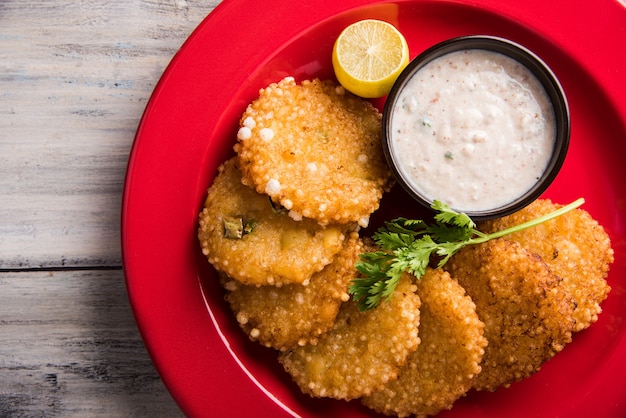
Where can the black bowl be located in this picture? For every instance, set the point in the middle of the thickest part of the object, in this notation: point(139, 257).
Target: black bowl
point(523, 56)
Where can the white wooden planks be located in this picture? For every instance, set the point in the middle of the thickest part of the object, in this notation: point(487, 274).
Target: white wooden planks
point(75, 77)
point(69, 346)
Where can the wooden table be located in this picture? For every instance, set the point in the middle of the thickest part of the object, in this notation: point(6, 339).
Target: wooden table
point(75, 76)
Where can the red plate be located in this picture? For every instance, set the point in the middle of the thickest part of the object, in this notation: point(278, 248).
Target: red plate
point(189, 128)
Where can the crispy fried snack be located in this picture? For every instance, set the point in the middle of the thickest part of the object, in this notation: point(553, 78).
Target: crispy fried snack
point(575, 247)
point(362, 352)
point(294, 314)
point(447, 360)
point(315, 149)
point(246, 238)
point(528, 315)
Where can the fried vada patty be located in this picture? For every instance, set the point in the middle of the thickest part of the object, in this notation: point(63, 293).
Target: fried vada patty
point(315, 149)
point(362, 352)
point(574, 246)
point(528, 314)
point(447, 360)
point(246, 238)
point(295, 314)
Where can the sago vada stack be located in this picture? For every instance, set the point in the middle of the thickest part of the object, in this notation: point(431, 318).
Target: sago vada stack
point(528, 315)
point(316, 150)
point(575, 247)
point(247, 239)
point(362, 352)
point(291, 315)
point(448, 358)
point(280, 225)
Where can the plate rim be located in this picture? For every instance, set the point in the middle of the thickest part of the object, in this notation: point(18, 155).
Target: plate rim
point(224, 12)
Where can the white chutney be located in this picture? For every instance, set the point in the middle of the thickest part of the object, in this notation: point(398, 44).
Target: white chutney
point(474, 129)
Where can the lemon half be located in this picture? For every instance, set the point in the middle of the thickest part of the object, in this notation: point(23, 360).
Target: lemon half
point(368, 56)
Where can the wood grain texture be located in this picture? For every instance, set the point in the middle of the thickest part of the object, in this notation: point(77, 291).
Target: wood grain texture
point(75, 77)
point(69, 346)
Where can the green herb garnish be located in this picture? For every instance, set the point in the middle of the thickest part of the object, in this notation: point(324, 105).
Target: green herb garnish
point(407, 245)
point(235, 227)
point(277, 208)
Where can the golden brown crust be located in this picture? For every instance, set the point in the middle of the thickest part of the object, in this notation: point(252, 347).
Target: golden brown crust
point(315, 149)
point(294, 314)
point(278, 251)
point(575, 247)
point(447, 360)
point(527, 313)
point(362, 352)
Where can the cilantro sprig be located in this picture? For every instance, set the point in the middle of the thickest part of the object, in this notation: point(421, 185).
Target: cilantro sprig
point(408, 245)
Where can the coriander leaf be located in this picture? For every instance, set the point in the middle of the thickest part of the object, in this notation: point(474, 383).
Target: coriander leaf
point(417, 255)
point(407, 245)
point(449, 216)
point(399, 233)
point(368, 289)
point(389, 241)
point(374, 263)
point(441, 232)
point(407, 225)
point(446, 250)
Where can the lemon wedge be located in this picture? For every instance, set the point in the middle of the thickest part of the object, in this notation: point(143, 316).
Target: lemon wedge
point(368, 56)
